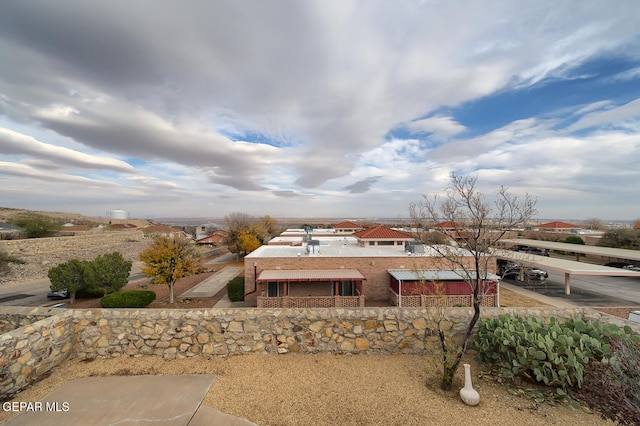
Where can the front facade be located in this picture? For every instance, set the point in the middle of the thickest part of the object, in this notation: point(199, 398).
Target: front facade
point(334, 270)
point(310, 288)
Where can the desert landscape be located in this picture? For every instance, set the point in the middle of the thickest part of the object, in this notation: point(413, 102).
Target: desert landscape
point(295, 389)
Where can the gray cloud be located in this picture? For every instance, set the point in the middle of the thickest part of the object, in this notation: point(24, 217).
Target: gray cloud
point(362, 186)
point(15, 143)
point(287, 194)
point(112, 83)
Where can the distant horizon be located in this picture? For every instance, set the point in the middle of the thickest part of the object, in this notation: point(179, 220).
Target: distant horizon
point(336, 219)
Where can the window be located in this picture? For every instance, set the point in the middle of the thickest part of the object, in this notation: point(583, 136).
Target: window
point(275, 289)
point(386, 243)
point(346, 288)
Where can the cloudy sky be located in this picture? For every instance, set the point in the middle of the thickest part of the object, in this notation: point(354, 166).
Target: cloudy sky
point(317, 108)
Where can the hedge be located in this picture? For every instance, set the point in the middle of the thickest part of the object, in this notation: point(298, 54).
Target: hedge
point(128, 299)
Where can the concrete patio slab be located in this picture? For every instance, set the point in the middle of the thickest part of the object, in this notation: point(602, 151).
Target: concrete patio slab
point(212, 285)
point(121, 400)
point(207, 416)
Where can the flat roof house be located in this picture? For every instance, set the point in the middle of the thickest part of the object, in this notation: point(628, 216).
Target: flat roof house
point(340, 271)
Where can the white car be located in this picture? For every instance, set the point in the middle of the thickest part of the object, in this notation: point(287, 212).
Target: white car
point(536, 274)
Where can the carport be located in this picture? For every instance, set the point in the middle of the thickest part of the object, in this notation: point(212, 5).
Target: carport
point(611, 253)
point(570, 267)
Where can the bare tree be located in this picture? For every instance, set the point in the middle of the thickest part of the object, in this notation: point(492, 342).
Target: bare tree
point(473, 226)
point(595, 224)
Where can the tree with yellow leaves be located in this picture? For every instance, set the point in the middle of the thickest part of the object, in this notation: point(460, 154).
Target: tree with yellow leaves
point(246, 233)
point(168, 259)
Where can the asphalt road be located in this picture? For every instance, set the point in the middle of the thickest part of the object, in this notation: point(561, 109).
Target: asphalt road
point(34, 293)
point(589, 290)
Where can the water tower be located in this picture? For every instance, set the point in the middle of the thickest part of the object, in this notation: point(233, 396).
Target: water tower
point(119, 214)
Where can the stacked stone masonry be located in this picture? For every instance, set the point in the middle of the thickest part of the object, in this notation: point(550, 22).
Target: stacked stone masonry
point(29, 352)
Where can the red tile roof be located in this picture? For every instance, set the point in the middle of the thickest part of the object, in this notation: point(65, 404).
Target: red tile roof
point(347, 225)
point(558, 225)
point(382, 232)
point(160, 229)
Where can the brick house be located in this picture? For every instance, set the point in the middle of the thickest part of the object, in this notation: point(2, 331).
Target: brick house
point(154, 231)
point(217, 237)
point(341, 271)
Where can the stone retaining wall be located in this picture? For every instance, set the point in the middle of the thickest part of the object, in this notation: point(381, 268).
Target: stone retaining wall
point(28, 353)
point(31, 351)
point(16, 317)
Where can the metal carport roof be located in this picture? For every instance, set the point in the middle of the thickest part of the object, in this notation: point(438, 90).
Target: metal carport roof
point(568, 267)
point(617, 253)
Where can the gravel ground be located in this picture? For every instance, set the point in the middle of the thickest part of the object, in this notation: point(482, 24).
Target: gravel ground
point(36, 266)
point(331, 389)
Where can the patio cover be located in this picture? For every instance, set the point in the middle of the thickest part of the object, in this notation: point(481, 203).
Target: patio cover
point(434, 275)
point(271, 275)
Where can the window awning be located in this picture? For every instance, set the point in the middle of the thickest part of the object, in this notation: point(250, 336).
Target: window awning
point(271, 275)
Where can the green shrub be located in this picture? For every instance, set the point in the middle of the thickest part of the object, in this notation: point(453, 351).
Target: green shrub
point(235, 289)
point(128, 299)
point(89, 293)
point(551, 352)
point(574, 239)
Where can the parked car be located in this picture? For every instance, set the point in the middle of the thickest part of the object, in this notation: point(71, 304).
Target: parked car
point(536, 274)
point(510, 269)
point(530, 250)
point(535, 251)
point(58, 294)
point(621, 265)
